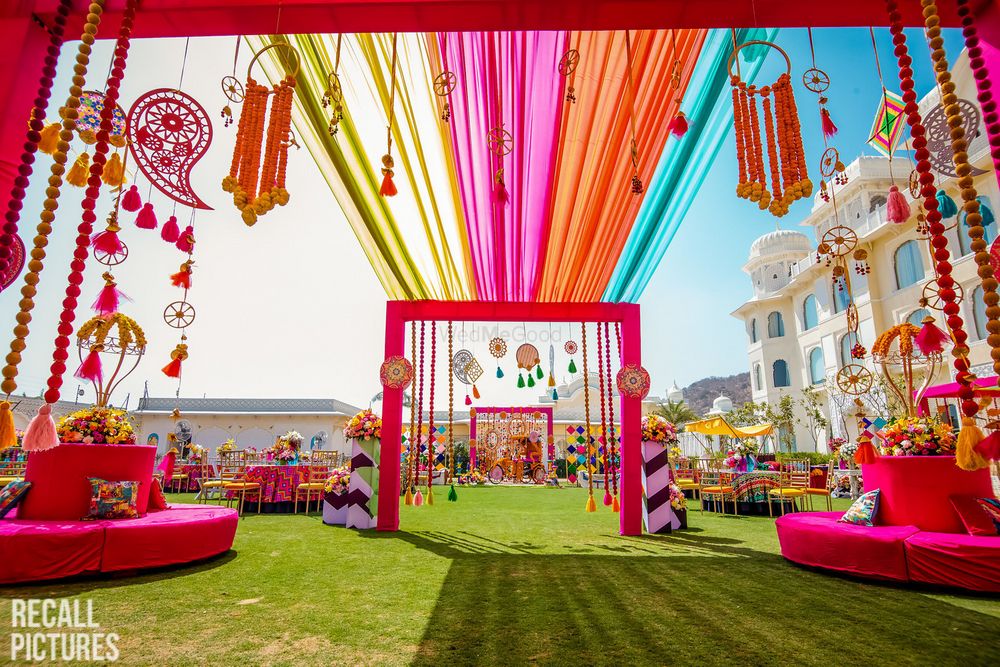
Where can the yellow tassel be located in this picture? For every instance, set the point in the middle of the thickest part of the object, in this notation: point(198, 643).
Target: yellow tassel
point(430, 496)
point(114, 172)
point(966, 456)
point(50, 138)
point(408, 498)
point(80, 171)
point(8, 436)
point(615, 507)
point(591, 505)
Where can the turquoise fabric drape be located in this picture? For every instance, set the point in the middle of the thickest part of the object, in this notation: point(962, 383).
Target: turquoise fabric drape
point(684, 162)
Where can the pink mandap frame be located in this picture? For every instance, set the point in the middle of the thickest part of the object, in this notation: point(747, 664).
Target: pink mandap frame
point(398, 313)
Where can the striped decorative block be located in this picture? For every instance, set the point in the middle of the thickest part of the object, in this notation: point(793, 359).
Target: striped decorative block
point(362, 493)
point(657, 514)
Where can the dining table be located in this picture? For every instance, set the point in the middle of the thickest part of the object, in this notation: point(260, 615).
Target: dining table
point(278, 483)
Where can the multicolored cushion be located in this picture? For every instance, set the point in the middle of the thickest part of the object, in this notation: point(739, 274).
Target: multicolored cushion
point(112, 500)
point(992, 507)
point(862, 512)
point(157, 501)
point(975, 517)
point(11, 495)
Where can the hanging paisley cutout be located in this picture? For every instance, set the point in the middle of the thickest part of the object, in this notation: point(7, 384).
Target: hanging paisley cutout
point(14, 263)
point(170, 132)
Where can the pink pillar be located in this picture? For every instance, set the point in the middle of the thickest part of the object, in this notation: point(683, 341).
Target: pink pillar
point(987, 24)
point(392, 425)
point(630, 519)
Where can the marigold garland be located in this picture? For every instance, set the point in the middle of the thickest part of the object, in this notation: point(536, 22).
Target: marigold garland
point(97, 328)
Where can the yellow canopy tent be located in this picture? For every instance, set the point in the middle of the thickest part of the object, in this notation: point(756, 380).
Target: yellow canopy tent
point(719, 426)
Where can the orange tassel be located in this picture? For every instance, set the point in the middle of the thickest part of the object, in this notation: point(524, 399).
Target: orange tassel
point(173, 369)
point(388, 188)
point(866, 453)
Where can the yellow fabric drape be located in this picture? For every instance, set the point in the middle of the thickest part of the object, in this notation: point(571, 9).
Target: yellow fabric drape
point(719, 426)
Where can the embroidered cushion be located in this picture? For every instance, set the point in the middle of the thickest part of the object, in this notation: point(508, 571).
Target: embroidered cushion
point(862, 512)
point(112, 500)
point(11, 495)
point(992, 507)
point(974, 516)
point(157, 501)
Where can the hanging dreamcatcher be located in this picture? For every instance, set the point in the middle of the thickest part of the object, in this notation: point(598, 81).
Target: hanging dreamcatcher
point(501, 143)
point(567, 68)
point(334, 94)
point(782, 135)
point(678, 125)
point(498, 349)
point(818, 81)
point(460, 362)
point(637, 187)
point(571, 349)
point(527, 360)
point(445, 82)
point(256, 176)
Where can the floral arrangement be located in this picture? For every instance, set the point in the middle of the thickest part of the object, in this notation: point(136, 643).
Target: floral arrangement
point(286, 447)
point(917, 436)
point(472, 477)
point(365, 425)
point(338, 481)
point(848, 450)
point(196, 454)
point(677, 499)
point(836, 443)
point(97, 426)
point(657, 429)
point(228, 446)
point(738, 452)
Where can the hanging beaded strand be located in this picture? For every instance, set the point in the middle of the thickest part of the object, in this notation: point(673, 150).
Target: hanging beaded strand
point(431, 438)
point(419, 497)
point(414, 439)
point(388, 188)
point(591, 505)
point(613, 440)
point(637, 187)
point(978, 66)
point(604, 415)
point(451, 398)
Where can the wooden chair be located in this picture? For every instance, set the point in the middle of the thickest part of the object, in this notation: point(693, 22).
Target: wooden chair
point(685, 476)
point(316, 475)
point(826, 490)
point(210, 479)
point(13, 471)
point(716, 484)
point(234, 485)
point(794, 482)
point(178, 479)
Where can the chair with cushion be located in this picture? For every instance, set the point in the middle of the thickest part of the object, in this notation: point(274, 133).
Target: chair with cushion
point(685, 476)
point(235, 486)
point(178, 479)
point(794, 482)
point(210, 481)
point(316, 476)
point(825, 489)
point(716, 485)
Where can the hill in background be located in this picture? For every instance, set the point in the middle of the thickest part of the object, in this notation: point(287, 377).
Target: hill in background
point(699, 395)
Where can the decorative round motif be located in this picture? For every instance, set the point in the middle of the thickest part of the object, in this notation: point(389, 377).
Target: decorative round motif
point(930, 295)
point(500, 141)
point(333, 89)
point(568, 62)
point(840, 241)
point(15, 263)
point(498, 347)
point(396, 373)
point(633, 381)
point(516, 426)
point(852, 317)
point(459, 363)
point(233, 89)
point(913, 183)
point(179, 314)
point(88, 121)
point(444, 83)
point(939, 137)
point(828, 162)
point(855, 380)
point(473, 371)
point(527, 356)
point(570, 347)
point(816, 80)
point(111, 259)
point(170, 132)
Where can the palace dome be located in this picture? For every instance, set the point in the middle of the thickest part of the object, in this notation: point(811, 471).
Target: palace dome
point(780, 242)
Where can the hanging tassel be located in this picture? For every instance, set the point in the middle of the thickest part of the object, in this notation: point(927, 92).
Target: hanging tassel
point(146, 218)
point(552, 380)
point(109, 297)
point(430, 491)
point(388, 188)
point(107, 242)
point(966, 456)
point(946, 205)
point(500, 188)
point(499, 373)
point(80, 171)
point(183, 277)
point(41, 432)
point(132, 202)
point(468, 401)
point(8, 434)
point(989, 448)
point(866, 453)
point(555, 395)
point(185, 242)
point(520, 380)
point(418, 499)
point(114, 171)
point(475, 391)
point(49, 140)
point(452, 495)
point(678, 125)
point(531, 380)
point(591, 504)
point(897, 210)
point(170, 232)
point(408, 496)
point(607, 498)
point(829, 129)
point(615, 507)
point(539, 372)
point(90, 369)
point(572, 366)
point(173, 369)
point(930, 338)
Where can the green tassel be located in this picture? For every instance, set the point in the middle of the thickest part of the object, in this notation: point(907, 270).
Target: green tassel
point(946, 205)
point(520, 381)
point(452, 495)
point(531, 380)
point(572, 366)
point(539, 373)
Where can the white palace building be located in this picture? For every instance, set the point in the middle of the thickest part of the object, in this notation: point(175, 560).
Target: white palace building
point(795, 322)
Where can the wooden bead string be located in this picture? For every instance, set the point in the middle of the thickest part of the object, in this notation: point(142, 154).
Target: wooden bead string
point(612, 445)
point(451, 401)
point(978, 67)
point(960, 157)
point(431, 439)
point(33, 136)
point(637, 187)
point(49, 206)
point(586, 414)
point(86, 226)
point(936, 229)
point(604, 409)
point(413, 451)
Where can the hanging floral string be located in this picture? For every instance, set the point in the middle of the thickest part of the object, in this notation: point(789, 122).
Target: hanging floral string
point(678, 125)
point(418, 497)
point(388, 188)
point(637, 187)
point(591, 504)
point(450, 468)
point(979, 72)
point(613, 440)
point(604, 418)
point(431, 437)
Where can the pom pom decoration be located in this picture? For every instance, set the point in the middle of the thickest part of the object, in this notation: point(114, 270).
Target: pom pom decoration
point(946, 205)
point(170, 232)
point(131, 201)
point(678, 125)
point(80, 171)
point(90, 370)
point(146, 218)
point(897, 208)
point(183, 277)
point(185, 242)
point(49, 138)
point(8, 435)
point(829, 129)
point(109, 297)
point(114, 171)
point(930, 339)
point(41, 432)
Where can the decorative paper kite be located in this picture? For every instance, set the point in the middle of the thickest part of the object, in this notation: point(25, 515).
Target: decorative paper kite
point(887, 129)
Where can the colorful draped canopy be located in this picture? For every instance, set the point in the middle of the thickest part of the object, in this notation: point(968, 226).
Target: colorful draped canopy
point(555, 219)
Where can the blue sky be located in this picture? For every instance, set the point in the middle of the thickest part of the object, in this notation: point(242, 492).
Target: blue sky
point(291, 307)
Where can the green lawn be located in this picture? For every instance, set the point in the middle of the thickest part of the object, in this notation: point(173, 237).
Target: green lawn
point(522, 575)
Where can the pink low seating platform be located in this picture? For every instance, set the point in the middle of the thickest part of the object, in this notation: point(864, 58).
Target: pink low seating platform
point(45, 538)
point(918, 537)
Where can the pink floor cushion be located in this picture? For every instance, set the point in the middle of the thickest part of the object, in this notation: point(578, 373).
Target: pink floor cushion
point(966, 561)
point(816, 539)
point(39, 550)
point(182, 534)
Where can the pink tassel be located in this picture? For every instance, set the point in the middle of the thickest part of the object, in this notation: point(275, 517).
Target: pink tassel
point(185, 242)
point(829, 129)
point(41, 432)
point(468, 401)
point(108, 300)
point(607, 498)
point(107, 242)
point(418, 499)
point(90, 369)
point(500, 193)
point(931, 339)
point(678, 125)
point(146, 218)
point(989, 447)
point(897, 209)
point(170, 232)
point(132, 201)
